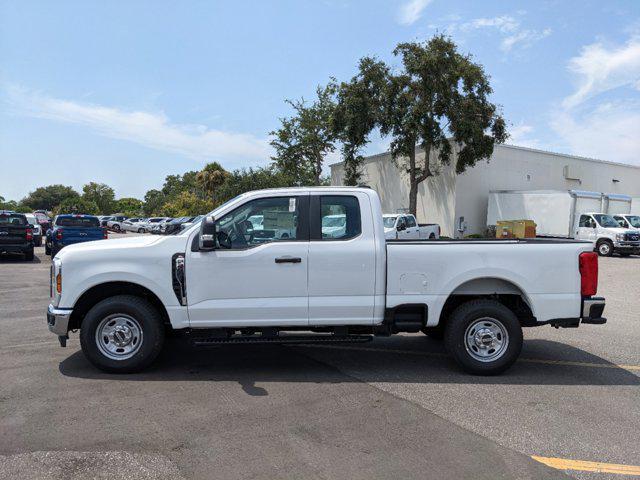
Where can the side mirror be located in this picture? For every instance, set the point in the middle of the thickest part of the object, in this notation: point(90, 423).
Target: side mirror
point(207, 241)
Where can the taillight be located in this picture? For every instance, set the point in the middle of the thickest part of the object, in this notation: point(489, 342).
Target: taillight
point(29, 234)
point(59, 234)
point(105, 235)
point(588, 273)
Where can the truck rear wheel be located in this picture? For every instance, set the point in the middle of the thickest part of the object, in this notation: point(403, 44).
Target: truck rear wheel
point(122, 334)
point(605, 248)
point(484, 337)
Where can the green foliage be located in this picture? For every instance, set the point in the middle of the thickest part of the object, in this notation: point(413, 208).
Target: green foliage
point(438, 101)
point(245, 180)
point(153, 202)
point(187, 204)
point(22, 208)
point(77, 204)
point(131, 207)
point(49, 197)
point(304, 140)
point(100, 194)
point(358, 112)
point(211, 178)
point(176, 184)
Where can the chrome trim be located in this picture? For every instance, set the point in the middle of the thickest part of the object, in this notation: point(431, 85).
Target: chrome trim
point(60, 318)
point(587, 303)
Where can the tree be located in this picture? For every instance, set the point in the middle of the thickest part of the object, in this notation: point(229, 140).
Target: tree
point(128, 206)
point(187, 204)
point(211, 178)
point(358, 112)
point(153, 202)
point(101, 194)
point(175, 184)
point(49, 197)
point(78, 205)
point(304, 140)
point(245, 180)
point(439, 100)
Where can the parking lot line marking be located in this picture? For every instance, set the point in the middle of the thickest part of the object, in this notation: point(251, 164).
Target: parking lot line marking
point(568, 363)
point(35, 344)
point(584, 466)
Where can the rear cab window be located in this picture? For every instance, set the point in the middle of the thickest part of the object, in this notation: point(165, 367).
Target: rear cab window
point(339, 217)
point(16, 219)
point(86, 222)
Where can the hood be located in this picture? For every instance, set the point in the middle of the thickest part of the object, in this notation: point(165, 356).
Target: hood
point(109, 245)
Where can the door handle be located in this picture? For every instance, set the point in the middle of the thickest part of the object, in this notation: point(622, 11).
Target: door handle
point(288, 260)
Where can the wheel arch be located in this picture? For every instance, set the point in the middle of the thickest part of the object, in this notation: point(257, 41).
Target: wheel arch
point(105, 290)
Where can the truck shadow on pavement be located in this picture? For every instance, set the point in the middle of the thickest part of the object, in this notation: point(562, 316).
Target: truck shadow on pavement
point(18, 259)
point(398, 360)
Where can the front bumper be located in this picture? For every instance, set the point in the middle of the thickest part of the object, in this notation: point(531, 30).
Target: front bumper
point(58, 320)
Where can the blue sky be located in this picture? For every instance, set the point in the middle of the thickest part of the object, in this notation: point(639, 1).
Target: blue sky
point(128, 92)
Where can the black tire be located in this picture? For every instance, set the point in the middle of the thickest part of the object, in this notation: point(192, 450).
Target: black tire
point(604, 248)
point(116, 228)
point(141, 230)
point(467, 316)
point(28, 255)
point(47, 250)
point(147, 318)
point(54, 251)
point(38, 242)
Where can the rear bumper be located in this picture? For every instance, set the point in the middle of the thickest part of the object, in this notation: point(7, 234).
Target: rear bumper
point(16, 248)
point(58, 320)
point(591, 313)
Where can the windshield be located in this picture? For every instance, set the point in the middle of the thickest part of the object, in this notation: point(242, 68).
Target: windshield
point(389, 222)
point(605, 220)
point(634, 221)
point(86, 222)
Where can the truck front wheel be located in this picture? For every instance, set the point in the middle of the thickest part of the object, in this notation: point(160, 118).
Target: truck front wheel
point(122, 334)
point(605, 248)
point(484, 337)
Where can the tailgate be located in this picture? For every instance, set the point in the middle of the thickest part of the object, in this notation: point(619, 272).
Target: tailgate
point(78, 234)
point(11, 235)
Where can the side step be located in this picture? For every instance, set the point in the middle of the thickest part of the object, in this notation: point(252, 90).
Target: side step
point(282, 338)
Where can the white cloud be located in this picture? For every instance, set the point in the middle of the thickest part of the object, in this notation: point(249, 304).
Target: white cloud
point(153, 130)
point(508, 26)
point(411, 11)
point(609, 131)
point(525, 38)
point(521, 135)
point(600, 69)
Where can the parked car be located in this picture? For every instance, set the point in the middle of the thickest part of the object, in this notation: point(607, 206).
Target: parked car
point(72, 229)
point(192, 222)
point(571, 214)
point(43, 220)
point(104, 219)
point(115, 223)
point(153, 222)
point(175, 225)
point(159, 227)
point(16, 235)
point(403, 226)
point(37, 228)
point(137, 225)
point(238, 288)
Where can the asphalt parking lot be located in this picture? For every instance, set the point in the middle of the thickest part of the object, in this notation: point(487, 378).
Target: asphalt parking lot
point(393, 408)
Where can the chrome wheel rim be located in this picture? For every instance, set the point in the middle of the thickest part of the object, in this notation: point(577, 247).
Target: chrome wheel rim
point(604, 248)
point(486, 339)
point(119, 336)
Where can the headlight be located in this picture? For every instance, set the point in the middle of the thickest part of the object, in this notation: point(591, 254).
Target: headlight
point(619, 237)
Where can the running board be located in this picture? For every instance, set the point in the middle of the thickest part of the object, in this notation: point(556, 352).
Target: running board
point(206, 341)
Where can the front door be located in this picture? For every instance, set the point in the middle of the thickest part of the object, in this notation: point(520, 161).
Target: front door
point(257, 276)
point(586, 228)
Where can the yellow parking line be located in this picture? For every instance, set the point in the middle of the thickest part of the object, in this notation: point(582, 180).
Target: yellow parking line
point(438, 354)
point(35, 344)
point(584, 466)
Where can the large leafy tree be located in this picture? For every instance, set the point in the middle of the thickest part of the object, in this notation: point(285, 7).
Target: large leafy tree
point(79, 205)
point(100, 194)
point(211, 178)
point(245, 180)
point(175, 184)
point(358, 112)
point(49, 197)
point(304, 140)
point(438, 102)
point(187, 204)
point(129, 206)
point(153, 202)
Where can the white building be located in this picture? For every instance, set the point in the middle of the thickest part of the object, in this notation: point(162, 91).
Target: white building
point(448, 199)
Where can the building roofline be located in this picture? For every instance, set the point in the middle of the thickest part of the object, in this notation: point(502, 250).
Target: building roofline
point(517, 147)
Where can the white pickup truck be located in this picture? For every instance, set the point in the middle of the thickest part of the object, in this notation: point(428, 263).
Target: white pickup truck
point(403, 226)
point(220, 283)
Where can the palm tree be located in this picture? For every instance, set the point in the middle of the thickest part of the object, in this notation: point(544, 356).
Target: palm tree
point(211, 177)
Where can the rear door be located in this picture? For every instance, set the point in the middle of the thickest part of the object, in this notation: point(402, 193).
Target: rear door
point(413, 231)
point(342, 269)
